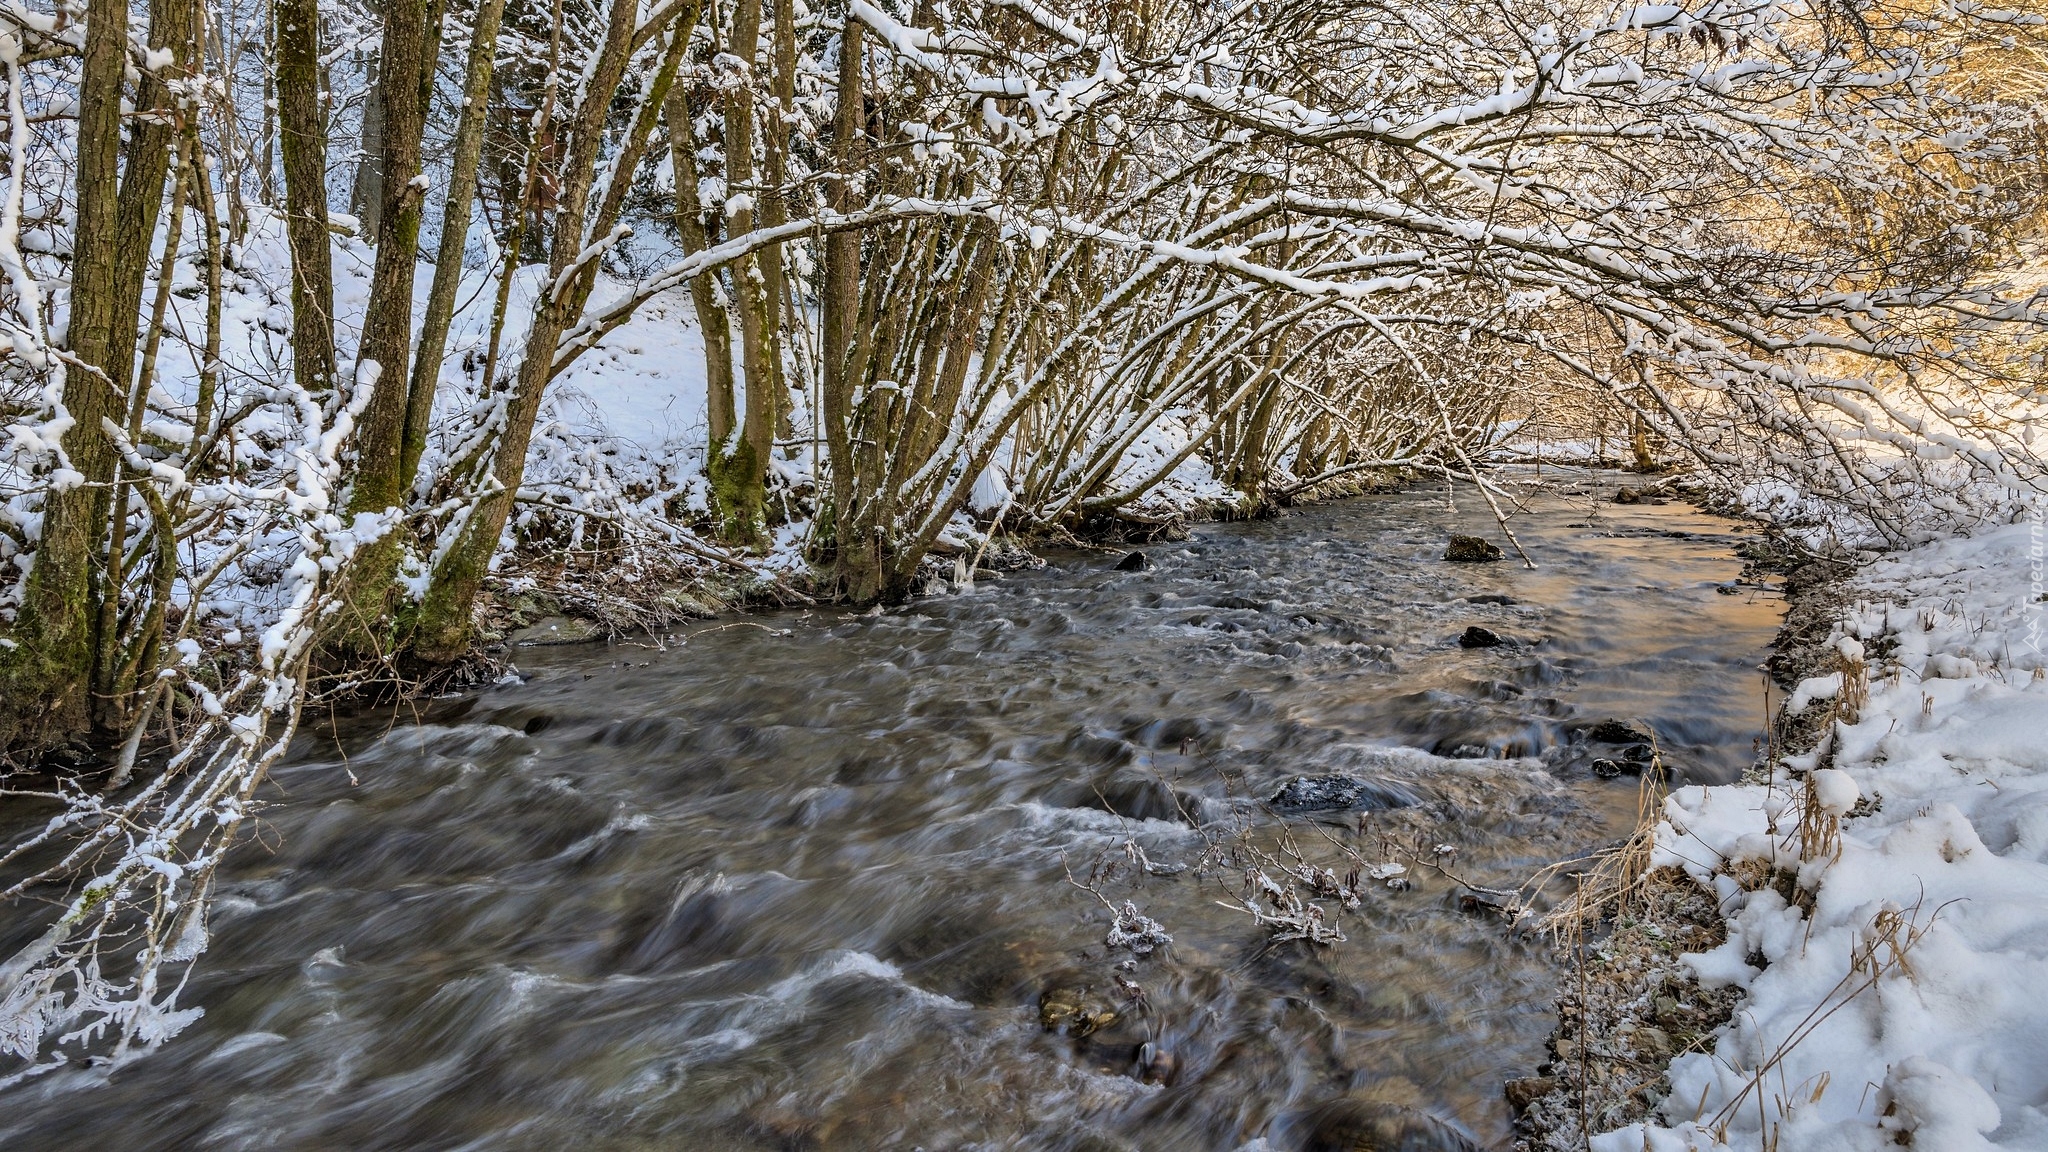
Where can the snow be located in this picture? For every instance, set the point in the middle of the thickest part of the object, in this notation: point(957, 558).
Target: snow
point(1898, 1000)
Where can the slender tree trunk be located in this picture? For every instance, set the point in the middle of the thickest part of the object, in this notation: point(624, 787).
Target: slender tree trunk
point(712, 320)
point(469, 146)
point(151, 141)
point(841, 306)
point(302, 137)
point(411, 39)
point(366, 194)
point(774, 199)
point(47, 666)
point(739, 466)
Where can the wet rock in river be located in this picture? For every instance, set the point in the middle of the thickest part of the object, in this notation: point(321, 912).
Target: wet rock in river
point(1471, 549)
point(555, 630)
point(1135, 562)
point(1479, 903)
point(1337, 791)
point(1370, 1126)
point(1490, 598)
point(1619, 732)
point(1606, 769)
point(1477, 637)
point(1075, 1009)
point(1526, 1091)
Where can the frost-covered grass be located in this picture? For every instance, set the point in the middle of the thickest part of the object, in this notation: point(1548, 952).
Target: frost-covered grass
point(1892, 965)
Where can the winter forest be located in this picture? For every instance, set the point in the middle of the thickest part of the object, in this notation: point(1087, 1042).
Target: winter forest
point(337, 329)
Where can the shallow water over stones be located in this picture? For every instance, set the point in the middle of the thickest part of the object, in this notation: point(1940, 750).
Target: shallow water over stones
point(802, 881)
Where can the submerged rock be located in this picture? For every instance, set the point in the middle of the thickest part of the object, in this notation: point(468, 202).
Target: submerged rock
point(1471, 549)
point(1074, 1009)
point(1477, 637)
point(1526, 1091)
point(1337, 791)
point(555, 630)
point(1369, 1126)
point(1135, 562)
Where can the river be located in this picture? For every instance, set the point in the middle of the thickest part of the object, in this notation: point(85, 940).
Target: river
point(802, 880)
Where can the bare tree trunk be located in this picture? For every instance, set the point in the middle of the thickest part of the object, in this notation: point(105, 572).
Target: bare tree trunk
point(302, 137)
point(411, 40)
point(739, 467)
point(841, 305)
point(150, 143)
point(44, 677)
point(366, 194)
point(774, 199)
point(469, 147)
point(712, 320)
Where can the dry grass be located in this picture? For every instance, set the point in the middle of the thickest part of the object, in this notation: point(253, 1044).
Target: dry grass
point(1613, 886)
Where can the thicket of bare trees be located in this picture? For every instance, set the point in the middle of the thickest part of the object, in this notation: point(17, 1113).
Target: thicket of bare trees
point(952, 263)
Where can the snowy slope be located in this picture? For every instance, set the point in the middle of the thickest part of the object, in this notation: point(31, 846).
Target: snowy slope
point(1910, 1007)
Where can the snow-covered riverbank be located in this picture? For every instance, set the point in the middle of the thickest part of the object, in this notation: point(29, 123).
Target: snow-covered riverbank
point(1886, 892)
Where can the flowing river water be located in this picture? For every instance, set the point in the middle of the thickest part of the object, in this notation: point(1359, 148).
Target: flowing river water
point(801, 881)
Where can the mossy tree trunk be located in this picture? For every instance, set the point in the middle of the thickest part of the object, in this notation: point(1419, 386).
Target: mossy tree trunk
point(713, 320)
point(48, 662)
point(738, 466)
point(412, 34)
point(302, 137)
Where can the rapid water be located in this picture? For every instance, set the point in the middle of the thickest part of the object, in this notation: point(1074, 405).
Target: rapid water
point(801, 881)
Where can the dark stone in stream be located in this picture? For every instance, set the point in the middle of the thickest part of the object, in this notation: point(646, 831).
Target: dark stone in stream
point(1490, 598)
point(1606, 769)
point(1471, 549)
point(1076, 1009)
point(1477, 637)
point(1369, 1126)
point(1135, 562)
point(1618, 732)
point(1328, 793)
point(1477, 903)
point(1639, 754)
point(1528, 1090)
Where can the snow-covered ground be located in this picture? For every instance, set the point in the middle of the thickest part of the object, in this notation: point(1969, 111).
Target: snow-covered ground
point(1900, 998)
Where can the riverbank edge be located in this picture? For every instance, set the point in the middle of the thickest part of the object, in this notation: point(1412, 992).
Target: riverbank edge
point(531, 607)
point(1627, 1004)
